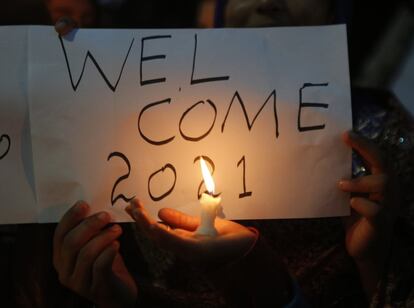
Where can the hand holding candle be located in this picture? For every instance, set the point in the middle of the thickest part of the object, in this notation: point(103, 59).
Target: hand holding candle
point(209, 204)
point(203, 239)
point(177, 233)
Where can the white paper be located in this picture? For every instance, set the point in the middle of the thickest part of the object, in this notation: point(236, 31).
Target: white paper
point(17, 191)
point(85, 132)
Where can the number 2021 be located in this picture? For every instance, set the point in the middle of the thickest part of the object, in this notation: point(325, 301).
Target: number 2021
point(120, 196)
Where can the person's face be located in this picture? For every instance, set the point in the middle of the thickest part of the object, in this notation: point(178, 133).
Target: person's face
point(80, 11)
point(273, 13)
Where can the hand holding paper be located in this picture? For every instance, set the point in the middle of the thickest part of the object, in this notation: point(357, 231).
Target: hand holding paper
point(87, 259)
point(369, 231)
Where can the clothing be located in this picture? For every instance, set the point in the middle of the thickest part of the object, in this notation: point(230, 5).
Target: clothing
point(257, 279)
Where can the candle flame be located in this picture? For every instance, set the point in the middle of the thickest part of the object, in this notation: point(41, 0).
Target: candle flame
point(208, 179)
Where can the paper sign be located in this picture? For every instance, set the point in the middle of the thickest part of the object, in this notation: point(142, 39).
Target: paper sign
point(109, 115)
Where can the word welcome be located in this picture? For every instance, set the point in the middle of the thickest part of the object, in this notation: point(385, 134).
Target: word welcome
point(146, 57)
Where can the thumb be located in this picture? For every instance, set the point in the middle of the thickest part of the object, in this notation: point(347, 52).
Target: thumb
point(177, 219)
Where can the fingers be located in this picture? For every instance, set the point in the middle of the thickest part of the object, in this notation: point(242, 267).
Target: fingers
point(177, 219)
point(77, 238)
point(366, 149)
point(365, 207)
point(64, 25)
point(372, 184)
point(169, 239)
point(90, 252)
point(69, 221)
point(137, 211)
point(102, 267)
point(233, 240)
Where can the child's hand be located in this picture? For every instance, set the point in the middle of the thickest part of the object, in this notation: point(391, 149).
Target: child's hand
point(367, 233)
point(369, 230)
point(86, 257)
point(176, 233)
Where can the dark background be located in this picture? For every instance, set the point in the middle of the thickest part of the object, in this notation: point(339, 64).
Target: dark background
point(381, 36)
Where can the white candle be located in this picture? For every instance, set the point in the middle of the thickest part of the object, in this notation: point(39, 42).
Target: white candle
point(209, 204)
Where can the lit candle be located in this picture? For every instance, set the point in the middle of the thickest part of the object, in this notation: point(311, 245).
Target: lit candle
point(209, 204)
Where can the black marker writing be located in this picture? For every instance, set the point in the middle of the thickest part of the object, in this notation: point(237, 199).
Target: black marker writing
point(158, 198)
point(151, 58)
point(90, 56)
point(202, 80)
point(7, 138)
point(120, 179)
point(186, 137)
point(250, 124)
point(304, 105)
point(244, 193)
point(213, 167)
point(153, 142)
